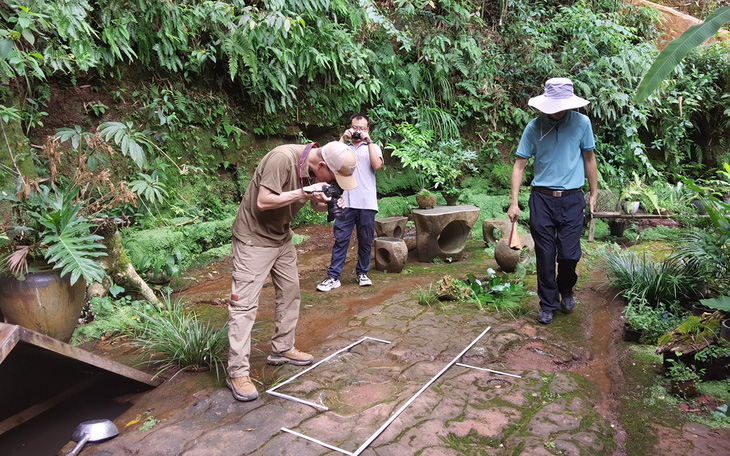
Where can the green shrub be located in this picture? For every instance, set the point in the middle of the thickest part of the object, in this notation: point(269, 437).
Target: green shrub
point(391, 181)
point(392, 206)
point(662, 233)
point(644, 279)
point(308, 216)
point(155, 246)
point(653, 321)
point(499, 175)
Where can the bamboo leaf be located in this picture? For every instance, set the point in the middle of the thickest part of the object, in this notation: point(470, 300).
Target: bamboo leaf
point(677, 49)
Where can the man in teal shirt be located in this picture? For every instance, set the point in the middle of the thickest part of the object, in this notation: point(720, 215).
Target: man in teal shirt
point(562, 143)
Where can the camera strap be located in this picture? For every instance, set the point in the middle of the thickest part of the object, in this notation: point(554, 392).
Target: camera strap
point(303, 160)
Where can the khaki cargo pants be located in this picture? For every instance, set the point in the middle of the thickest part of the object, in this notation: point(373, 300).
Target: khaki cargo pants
point(251, 266)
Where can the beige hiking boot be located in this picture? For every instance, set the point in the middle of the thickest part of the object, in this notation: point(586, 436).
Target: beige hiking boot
point(293, 356)
point(242, 388)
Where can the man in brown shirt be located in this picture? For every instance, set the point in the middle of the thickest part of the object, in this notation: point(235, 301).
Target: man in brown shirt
point(285, 179)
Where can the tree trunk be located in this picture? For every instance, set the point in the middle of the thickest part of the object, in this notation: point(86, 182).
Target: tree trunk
point(118, 266)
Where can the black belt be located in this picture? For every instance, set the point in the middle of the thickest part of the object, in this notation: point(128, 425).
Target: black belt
point(555, 193)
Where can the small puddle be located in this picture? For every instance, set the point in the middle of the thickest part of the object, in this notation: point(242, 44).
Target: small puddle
point(602, 369)
point(596, 371)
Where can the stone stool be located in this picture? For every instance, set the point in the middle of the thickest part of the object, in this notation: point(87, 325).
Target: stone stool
point(392, 227)
point(489, 225)
point(390, 254)
point(442, 231)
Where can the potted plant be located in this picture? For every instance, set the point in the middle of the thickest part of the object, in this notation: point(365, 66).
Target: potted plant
point(48, 243)
point(682, 378)
point(47, 256)
point(714, 360)
point(425, 199)
point(439, 163)
point(634, 193)
point(637, 319)
point(451, 195)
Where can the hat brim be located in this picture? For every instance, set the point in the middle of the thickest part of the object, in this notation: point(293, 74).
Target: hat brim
point(553, 105)
point(346, 182)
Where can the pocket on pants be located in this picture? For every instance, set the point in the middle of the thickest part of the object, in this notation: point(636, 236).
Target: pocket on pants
point(241, 288)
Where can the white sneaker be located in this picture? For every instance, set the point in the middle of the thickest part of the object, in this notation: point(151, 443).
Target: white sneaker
point(328, 284)
point(363, 280)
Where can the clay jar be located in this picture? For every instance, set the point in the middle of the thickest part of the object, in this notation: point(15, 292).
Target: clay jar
point(508, 258)
point(44, 302)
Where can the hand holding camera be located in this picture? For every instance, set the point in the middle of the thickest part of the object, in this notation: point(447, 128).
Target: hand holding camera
point(334, 191)
point(356, 135)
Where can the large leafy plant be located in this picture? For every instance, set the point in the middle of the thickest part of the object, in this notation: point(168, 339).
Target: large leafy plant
point(50, 231)
point(439, 163)
point(675, 51)
point(709, 251)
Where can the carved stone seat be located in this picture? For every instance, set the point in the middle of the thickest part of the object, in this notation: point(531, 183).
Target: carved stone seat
point(442, 231)
point(393, 227)
point(490, 225)
point(391, 254)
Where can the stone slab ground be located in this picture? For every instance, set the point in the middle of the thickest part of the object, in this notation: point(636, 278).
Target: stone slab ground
point(567, 401)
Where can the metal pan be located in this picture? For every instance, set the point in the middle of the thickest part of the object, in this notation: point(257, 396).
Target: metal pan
point(92, 431)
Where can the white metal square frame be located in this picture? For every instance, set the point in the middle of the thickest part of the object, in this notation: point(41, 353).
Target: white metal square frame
point(273, 391)
point(392, 417)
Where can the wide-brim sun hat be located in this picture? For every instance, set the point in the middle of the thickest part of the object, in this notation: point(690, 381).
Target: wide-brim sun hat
point(558, 96)
point(341, 160)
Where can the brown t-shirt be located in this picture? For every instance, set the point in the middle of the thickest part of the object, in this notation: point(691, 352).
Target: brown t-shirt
point(279, 172)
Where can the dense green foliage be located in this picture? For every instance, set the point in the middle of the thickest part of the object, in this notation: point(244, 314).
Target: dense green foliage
point(150, 248)
point(678, 48)
point(454, 67)
point(113, 315)
point(187, 90)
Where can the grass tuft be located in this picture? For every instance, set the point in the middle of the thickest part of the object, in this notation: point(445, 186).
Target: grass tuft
point(174, 337)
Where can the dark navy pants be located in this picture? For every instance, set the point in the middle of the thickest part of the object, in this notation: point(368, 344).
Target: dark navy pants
point(364, 220)
point(556, 225)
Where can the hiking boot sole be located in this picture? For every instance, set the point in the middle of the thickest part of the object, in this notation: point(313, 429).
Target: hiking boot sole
point(279, 360)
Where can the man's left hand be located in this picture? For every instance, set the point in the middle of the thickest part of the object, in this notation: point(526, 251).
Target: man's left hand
point(593, 202)
point(365, 136)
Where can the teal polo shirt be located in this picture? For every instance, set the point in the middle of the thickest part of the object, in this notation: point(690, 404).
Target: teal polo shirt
point(558, 148)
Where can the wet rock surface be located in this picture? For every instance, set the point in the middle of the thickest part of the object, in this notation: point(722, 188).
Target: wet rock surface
point(562, 404)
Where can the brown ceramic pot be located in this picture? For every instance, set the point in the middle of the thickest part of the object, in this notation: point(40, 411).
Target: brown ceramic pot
point(426, 202)
point(43, 302)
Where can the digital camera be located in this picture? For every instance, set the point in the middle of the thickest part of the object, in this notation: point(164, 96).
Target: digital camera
point(334, 191)
point(356, 136)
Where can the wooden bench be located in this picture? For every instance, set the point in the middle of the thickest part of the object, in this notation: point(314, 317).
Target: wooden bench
point(615, 215)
